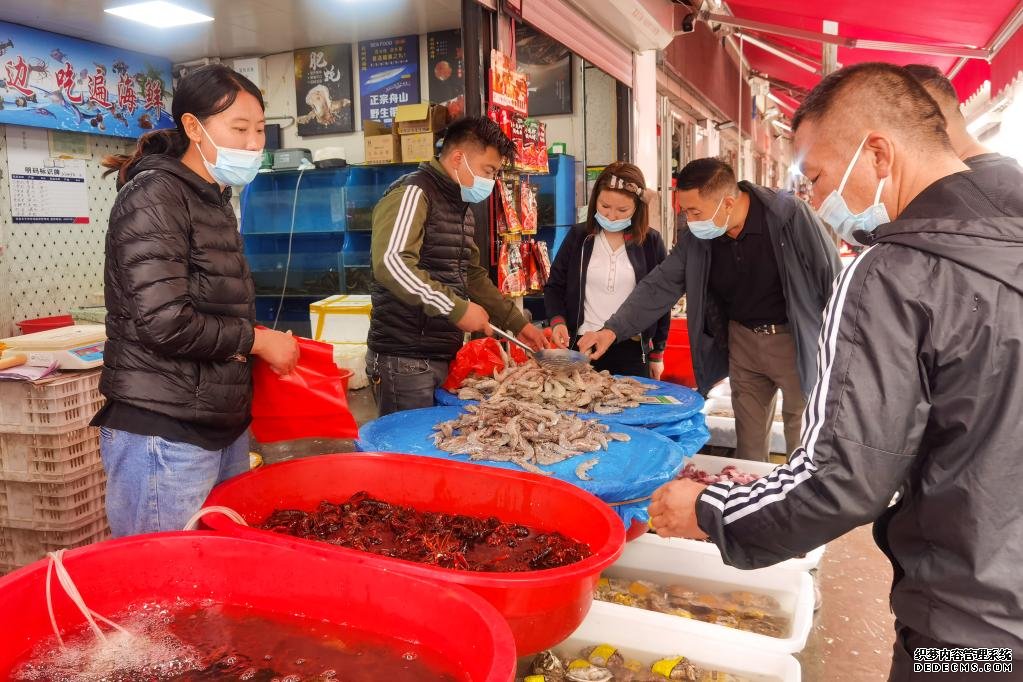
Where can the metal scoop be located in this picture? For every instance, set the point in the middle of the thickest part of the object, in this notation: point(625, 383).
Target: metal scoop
point(558, 359)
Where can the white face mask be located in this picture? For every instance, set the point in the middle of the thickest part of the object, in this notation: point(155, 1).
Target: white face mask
point(836, 213)
point(708, 229)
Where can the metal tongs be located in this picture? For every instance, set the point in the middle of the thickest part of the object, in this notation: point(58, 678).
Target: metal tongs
point(558, 359)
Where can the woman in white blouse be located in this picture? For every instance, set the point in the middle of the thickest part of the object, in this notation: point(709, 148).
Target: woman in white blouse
point(599, 264)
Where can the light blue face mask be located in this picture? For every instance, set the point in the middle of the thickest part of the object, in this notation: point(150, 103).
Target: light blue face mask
point(234, 166)
point(836, 213)
point(481, 187)
point(708, 229)
point(613, 225)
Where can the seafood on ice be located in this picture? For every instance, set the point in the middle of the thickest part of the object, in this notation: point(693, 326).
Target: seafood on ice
point(505, 429)
point(605, 663)
point(581, 391)
point(740, 610)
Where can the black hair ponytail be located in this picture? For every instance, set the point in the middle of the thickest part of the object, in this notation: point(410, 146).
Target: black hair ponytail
point(207, 91)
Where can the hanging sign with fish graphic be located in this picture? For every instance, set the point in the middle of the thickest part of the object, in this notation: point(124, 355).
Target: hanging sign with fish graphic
point(48, 80)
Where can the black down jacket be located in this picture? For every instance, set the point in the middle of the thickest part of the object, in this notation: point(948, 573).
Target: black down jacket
point(180, 299)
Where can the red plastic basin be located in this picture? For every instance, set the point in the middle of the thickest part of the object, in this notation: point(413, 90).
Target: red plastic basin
point(542, 607)
point(358, 591)
point(636, 531)
point(43, 324)
point(678, 359)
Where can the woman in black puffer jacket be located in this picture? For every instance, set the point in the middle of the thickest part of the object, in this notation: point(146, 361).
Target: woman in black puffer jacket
point(180, 314)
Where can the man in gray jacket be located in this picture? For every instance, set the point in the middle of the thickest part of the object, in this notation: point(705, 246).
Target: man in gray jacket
point(756, 267)
point(920, 388)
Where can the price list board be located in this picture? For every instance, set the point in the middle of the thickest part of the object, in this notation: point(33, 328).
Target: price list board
point(43, 189)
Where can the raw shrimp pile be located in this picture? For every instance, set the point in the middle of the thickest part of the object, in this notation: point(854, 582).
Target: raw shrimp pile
point(504, 429)
point(580, 391)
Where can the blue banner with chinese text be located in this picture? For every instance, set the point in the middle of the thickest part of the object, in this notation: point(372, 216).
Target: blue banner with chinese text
point(48, 80)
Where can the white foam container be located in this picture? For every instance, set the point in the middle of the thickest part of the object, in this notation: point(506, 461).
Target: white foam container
point(341, 319)
point(663, 565)
point(713, 465)
point(647, 643)
point(722, 429)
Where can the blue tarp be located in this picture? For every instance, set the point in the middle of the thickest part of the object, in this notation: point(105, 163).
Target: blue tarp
point(626, 471)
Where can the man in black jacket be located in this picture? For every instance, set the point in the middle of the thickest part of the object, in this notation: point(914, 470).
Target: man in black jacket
point(919, 388)
point(756, 268)
point(429, 288)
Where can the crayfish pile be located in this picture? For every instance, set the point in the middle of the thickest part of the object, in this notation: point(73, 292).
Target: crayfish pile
point(455, 541)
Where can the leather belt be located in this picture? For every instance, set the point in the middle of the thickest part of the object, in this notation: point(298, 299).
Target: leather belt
point(769, 329)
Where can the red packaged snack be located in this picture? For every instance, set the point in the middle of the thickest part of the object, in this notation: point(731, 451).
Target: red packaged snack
point(527, 200)
point(511, 214)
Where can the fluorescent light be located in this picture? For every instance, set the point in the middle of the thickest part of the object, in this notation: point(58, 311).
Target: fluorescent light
point(794, 169)
point(781, 125)
point(158, 13)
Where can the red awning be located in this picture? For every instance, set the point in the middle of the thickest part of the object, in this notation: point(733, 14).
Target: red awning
point(947, 23)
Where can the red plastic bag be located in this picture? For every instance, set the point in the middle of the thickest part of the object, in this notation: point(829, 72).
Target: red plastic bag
point(480, 357)
point(308, 403)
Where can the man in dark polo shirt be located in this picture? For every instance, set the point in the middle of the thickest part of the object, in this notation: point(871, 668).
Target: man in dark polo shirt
point(756, 267)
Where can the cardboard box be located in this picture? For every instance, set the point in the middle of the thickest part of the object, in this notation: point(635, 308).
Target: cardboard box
point(382, 143)
point(415, 119)
point(418, 148)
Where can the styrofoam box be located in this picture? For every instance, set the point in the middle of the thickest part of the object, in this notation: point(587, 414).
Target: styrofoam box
point(722, 429)
point(660, 564)
point(341, 319)
point(713, 465)
point(648, 642)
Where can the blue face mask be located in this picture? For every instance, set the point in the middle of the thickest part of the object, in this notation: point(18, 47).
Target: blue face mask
point(481, 187)
point(233, 166)
point(708, 229)
point(836, 213)
point(613, 225)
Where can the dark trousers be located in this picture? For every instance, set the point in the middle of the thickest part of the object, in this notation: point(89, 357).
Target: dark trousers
point(404, 383)
point(908, 641)
point(626, 358)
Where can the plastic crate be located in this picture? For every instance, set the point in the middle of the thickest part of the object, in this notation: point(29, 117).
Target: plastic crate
point(62, 403)
point(52, 506)
point(27, 546)
point(6, 551)
point(48, 457)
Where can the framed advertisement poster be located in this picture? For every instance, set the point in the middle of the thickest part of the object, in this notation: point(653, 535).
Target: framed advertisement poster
point(447, 70)
point(323, 90)
point(388, 76)
point(548, 64)
point(508, 88)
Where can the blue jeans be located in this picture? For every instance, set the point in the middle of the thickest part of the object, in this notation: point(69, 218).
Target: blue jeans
point(156, 485)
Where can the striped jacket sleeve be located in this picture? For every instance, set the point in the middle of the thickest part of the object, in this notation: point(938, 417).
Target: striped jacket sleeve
point(398, 224)
point(863, 423)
